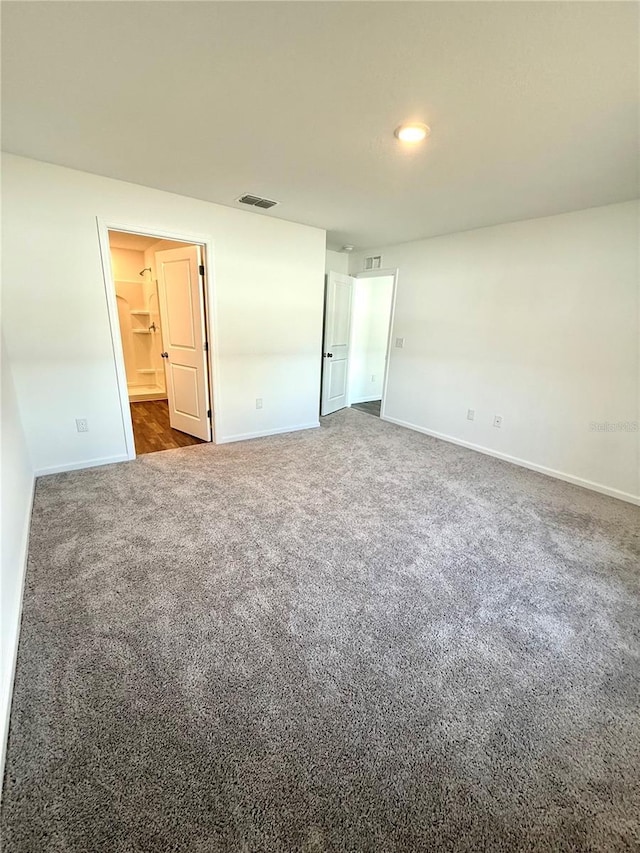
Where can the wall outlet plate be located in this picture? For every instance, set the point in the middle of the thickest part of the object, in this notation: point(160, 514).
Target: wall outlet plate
point(497, 421)
point(258, 402)
point(82, 425)
point(399, 343)
point(471, 414)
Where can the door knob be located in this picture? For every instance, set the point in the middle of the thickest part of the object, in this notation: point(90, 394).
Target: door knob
point(164, 354)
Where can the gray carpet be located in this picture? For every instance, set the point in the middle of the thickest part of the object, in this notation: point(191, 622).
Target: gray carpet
point(356, 638)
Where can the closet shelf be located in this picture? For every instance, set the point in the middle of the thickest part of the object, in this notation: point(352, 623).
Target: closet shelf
point(140, 312)
point(141, 331)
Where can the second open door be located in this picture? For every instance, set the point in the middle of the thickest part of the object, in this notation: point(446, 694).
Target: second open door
point(183, 320)
point(335, 353)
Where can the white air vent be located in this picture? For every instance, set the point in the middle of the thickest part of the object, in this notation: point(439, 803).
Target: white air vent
point(256, 201)
point(373, 263)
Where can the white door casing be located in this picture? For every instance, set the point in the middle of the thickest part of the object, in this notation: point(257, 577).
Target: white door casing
point(182, 317)
point(337, 332)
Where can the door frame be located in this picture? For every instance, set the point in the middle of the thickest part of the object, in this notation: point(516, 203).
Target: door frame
point(385, 274)
point(204, 240)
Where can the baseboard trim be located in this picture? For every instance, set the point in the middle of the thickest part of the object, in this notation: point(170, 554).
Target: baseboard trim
point(14, 655)
point(229, 439)
point(523, 463)
point(77, 466)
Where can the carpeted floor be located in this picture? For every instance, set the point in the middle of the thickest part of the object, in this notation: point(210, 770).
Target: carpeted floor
point(356, 638)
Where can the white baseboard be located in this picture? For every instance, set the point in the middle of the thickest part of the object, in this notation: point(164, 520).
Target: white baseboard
point(228, 439)
point(22, 569)
point(77, 466)
point(523, 463)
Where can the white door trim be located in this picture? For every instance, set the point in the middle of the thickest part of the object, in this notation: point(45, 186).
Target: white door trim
point(380, 274)
point(204, 240)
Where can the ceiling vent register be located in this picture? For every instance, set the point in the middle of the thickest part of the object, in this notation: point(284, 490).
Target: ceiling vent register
point(256, 201)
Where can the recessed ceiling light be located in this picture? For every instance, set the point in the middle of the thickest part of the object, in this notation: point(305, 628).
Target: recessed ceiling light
point(412, 132)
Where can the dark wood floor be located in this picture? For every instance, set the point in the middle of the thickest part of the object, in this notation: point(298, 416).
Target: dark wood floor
point(151, 429)
point(371, 408)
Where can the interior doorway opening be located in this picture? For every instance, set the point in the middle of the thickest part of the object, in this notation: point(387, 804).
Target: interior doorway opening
point(356, 341)
point(161, 312)
point(370, 329)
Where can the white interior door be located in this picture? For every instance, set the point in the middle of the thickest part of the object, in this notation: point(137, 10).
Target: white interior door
point(335, 353)
point(182, 317)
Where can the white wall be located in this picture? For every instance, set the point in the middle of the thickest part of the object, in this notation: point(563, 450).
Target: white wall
point(129, 288)
point(370, 314)
point(268, 284)
point(126, 264)
point(336, 262)
point(17, 495)
point(537, 321)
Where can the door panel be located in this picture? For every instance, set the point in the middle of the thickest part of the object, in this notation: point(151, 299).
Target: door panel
point(337, 379)
point(342, 312)
point(337, 331)
point(180, 313)
point(182, 318)
point(184, 381)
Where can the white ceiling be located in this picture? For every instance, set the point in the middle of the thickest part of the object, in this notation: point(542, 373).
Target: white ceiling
point(533, 106)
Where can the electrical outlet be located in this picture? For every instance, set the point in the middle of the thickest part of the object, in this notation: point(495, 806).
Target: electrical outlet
point(497, 421)
point(82, 425)
point(258, 402)
point(471, 414)
point(399, 343)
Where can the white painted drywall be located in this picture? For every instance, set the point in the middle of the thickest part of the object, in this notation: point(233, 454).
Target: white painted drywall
point(17, 494)
point(129, 286)
point(336, 262)
point(536, 321)
point(268, 284)
point(126, 264)
point(370, 315)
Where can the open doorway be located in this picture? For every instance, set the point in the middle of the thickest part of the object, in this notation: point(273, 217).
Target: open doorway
point(356, 338)
point(370, 327)
point(161, 313)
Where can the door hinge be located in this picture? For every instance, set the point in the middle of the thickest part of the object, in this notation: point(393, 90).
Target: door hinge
point(206, 346)
point(201, 269)
point(208, 413)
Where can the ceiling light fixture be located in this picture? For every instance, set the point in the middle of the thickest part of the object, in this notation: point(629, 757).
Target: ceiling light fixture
point(347, 248)
point(414, 132)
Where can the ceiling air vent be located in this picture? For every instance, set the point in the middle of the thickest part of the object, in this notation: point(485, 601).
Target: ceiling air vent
point(256, 201)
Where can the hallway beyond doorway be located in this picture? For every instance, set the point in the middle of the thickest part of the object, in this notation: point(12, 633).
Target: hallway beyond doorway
point(371, 407)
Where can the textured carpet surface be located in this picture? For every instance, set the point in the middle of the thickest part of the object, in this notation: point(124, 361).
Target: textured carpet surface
point(356, 638)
